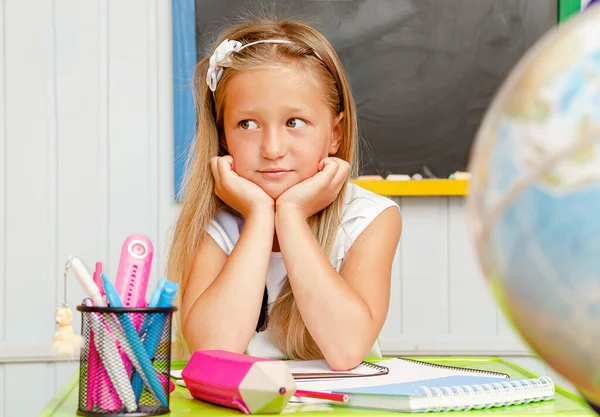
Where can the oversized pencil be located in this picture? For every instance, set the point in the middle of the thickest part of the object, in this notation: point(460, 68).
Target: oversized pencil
point(247, 383)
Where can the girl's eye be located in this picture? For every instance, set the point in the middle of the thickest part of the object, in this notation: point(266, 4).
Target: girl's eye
point(248, 125)
point(294, 123)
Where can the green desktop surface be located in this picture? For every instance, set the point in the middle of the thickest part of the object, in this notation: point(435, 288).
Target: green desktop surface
point(182, 404)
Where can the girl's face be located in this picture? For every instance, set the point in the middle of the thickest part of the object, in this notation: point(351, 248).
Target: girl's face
point(278, 127)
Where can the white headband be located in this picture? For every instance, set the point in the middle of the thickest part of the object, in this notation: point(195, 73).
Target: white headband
point(221, 58)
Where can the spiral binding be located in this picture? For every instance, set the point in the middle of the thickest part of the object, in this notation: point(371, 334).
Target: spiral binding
point(379, 368)
point(478, 396)
point(456, 368)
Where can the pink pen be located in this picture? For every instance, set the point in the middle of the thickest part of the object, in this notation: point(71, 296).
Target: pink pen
point(92, 373)
point(98, 278)
point(95, 372)
point(98, 379)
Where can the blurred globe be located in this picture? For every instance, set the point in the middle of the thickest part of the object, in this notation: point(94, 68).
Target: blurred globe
point(534, 203)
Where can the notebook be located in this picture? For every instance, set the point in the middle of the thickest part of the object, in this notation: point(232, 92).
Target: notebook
point(318, 369)
point(398, 370)
point(450, 393)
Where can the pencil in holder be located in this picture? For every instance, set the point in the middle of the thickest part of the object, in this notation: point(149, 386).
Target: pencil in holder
point(124, 367)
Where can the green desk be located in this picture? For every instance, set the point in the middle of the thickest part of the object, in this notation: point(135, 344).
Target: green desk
point(182, 404)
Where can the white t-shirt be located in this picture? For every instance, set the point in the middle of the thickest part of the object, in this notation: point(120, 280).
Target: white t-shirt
point(359, 210)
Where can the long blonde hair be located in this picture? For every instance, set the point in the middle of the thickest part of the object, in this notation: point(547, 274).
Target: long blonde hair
point(312, 52)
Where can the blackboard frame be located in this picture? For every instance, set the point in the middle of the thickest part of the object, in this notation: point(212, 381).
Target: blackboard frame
point(185, 58)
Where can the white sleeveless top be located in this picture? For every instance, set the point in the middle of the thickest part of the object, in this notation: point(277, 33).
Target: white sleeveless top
point(360, 208)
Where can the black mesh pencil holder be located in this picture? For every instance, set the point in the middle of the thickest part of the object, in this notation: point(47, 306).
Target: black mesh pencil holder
point(125, 361)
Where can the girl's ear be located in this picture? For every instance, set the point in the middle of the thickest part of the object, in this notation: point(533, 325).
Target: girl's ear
point(337, 135)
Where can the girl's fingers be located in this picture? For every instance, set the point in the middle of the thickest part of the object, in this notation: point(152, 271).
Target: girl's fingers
point(224, 167)
point(341, 174)
point(228, 159)
point(330, 168)
point(215, 170)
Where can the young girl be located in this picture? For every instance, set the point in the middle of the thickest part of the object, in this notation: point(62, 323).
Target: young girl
point(277, 255)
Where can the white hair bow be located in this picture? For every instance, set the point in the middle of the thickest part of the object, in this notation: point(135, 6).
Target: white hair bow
point(221, 58)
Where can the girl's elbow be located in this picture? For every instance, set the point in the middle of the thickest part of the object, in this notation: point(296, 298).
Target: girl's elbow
point(344, 360)
point(343, 363)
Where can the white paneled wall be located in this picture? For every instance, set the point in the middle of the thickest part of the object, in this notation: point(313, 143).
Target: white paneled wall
point(86, 159)
point(440, 302)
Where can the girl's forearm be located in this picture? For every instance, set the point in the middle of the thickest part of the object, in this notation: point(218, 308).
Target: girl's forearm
point(225, 315)
point(335, 315)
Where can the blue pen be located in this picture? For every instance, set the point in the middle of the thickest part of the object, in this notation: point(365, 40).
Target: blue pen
point(145, 368)
point(155, 331)
point(153, 303)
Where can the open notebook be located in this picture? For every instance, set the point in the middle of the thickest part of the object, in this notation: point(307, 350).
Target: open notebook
point(315, 370)
point(319, 369)
point(398, 370)
point(415, 386)
point(450, 393)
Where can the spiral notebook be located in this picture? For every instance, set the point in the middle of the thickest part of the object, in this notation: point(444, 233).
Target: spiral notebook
point(319, 369)
point(417, 386)
point(315, 370)
point(450, 393)
point(398, 370)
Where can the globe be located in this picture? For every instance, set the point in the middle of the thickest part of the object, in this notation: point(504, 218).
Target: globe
point(534, 201)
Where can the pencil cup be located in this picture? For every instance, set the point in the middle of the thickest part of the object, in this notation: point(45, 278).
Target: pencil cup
point(124, 367)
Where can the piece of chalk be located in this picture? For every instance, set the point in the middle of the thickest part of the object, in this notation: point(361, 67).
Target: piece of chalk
point(369, 177)
point(417, 176)
point(398, 177)
point(460, 175)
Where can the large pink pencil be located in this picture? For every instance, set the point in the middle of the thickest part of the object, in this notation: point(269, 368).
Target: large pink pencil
point(249, 384)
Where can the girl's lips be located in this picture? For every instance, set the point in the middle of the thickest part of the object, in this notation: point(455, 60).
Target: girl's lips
point(274, 173)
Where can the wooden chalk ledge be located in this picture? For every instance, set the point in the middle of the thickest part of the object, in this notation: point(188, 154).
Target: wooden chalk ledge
point(424, 187)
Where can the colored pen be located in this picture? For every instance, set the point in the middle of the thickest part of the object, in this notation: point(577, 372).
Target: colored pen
point(93, 368)
point(86, 281)
point(104, 346)
point(153, 303)
point(131, 354)
point(146, 369)
point(167, 296)
point(342, 398)
point(115, 369)
point(93, 355)
point(98, 278)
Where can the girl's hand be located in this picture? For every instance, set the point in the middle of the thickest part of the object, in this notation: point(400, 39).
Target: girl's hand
point(317, 192)
point(238, 192)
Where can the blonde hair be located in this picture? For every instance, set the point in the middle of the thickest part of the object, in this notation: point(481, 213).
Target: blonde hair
point(312, 52)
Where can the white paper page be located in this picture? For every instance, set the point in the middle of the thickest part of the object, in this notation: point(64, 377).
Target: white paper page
point(400, 371)
point(318, 366)
point(304, 407)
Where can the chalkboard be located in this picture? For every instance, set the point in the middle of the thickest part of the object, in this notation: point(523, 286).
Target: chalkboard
point(423, 72)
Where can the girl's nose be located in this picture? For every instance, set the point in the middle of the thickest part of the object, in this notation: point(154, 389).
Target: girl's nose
point(273, 144)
